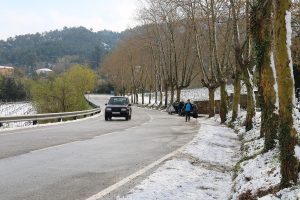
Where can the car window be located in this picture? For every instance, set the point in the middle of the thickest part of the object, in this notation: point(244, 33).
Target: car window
point(118, 101)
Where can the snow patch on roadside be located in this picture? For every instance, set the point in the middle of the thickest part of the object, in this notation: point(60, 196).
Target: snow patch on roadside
point(178, 179)
point(215, 144)
point(15, 109)
point(202, 171)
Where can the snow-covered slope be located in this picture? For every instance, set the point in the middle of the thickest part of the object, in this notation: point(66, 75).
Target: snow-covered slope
point(14, 109)
point(202, 171)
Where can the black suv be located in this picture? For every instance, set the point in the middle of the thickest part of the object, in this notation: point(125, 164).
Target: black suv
point(118, 107)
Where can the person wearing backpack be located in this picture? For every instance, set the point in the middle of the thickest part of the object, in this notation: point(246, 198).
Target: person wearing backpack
point(188, 107)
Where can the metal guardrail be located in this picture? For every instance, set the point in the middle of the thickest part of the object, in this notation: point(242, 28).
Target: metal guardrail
point(49, 116)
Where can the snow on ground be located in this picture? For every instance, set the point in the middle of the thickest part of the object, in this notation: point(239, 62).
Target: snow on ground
point(258, 173)
point(202, 171)
point(286, 194)
point(14, 109)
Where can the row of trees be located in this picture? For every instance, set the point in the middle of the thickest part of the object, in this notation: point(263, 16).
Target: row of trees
point(217, 42)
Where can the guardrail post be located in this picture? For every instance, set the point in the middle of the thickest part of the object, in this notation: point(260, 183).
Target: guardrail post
point(1, 124)
point(34, 122)
point(74, 118)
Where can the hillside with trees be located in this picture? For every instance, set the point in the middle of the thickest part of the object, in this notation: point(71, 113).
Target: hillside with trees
point(57, 49)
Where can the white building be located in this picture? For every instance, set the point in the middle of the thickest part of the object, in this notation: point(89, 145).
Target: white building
point(6, 71)
point(43, 71)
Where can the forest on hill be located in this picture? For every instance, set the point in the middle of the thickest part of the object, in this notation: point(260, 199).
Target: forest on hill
point(57, 49)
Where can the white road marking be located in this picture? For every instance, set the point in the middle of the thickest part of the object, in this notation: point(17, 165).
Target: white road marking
point(135, 175)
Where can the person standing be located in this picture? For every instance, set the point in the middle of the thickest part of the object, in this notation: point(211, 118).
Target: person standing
point(180, 108)
point(188, 107)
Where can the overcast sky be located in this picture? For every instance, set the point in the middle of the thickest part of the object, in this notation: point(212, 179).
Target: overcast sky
point(30, 16)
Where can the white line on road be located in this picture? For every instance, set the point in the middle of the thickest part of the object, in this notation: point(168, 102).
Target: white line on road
point(134, 175)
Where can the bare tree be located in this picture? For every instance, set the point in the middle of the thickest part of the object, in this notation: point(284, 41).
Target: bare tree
point(286, 93)
point(244, 62)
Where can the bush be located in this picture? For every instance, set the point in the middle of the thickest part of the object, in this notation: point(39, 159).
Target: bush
point(12, 89)
point(65, 92)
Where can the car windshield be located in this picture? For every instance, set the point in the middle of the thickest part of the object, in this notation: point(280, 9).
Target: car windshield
point(118, 101)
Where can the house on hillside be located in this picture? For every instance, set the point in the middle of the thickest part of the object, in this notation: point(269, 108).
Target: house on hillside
point(7, 71)
point(44, 71)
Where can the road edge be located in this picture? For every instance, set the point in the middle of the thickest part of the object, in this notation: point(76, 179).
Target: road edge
point(133, 176)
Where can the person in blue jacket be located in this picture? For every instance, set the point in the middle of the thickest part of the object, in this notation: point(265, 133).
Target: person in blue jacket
point(188, 107)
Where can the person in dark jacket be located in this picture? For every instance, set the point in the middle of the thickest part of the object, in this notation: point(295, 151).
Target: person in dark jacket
point(180, 107)
point(188, 107)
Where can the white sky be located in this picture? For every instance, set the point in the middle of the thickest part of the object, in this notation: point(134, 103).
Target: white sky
point(19, 17)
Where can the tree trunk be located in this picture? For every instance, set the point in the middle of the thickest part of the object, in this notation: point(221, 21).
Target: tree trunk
point(250, 106)
point(155, 96)
point(236, 97)
point(116, 91)
point(143, 97)
point(160, 96)
point(211, 94)
point(284, 70)
point(172, 94)
point(269, 115)
point(137, 98)
point(223, 103)
point(178, 95)
point(262, 36)
point(166, 95)
point(150, 96)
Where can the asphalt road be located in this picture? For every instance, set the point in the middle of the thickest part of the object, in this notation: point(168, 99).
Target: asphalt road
point(79, 159)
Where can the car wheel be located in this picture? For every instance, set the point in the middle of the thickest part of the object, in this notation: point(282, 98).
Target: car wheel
point(106, 118)
point(126, 118)
point(129, 117)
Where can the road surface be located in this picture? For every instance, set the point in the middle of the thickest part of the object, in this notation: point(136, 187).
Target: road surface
point(79, 159)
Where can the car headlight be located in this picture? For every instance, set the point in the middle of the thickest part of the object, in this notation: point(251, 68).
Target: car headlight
point(124, 109)
point(108, 109)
